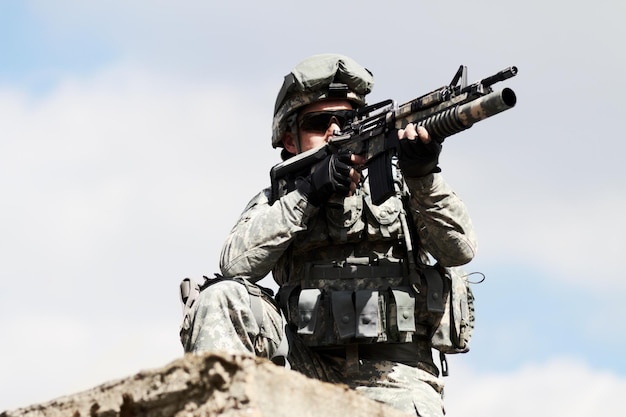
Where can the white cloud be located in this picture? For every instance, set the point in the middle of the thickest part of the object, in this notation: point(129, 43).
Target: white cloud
point(561, 386)
point(101, 159)
point(115, 188)
point(50, 356)
point(547, 204)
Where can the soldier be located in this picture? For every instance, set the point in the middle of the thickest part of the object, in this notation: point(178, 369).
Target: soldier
point(347, 310)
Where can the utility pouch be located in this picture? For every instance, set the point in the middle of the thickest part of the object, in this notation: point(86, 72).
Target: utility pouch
point(453, 329)
point(190, 290)
point(344, 216)
point(405, 309)
point(308, 308)
point(366, 303)
point(343, 313)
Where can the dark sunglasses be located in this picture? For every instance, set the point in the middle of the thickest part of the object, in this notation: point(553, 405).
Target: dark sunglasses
point(318, 121)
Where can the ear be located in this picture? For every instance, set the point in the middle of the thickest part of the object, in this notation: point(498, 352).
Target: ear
point(289, 143)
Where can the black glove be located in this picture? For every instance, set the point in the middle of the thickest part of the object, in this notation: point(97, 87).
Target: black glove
point(417, 159)
point(330, 176)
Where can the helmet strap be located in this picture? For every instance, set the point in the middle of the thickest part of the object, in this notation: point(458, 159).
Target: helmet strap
point(292, 124)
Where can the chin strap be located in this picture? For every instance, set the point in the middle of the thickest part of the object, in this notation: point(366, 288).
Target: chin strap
point(292, 124)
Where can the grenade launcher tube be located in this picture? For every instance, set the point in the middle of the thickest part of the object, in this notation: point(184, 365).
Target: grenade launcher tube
point(463, 116)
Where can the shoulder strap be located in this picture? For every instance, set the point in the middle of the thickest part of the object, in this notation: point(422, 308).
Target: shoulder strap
point(256, 303)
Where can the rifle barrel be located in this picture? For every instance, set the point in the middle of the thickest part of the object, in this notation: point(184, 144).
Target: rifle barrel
point(505, 74)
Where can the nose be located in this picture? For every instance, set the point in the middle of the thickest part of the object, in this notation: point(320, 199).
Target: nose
point(333, 126)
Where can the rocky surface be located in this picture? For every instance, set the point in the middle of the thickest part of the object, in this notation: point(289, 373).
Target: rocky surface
point(214, 384)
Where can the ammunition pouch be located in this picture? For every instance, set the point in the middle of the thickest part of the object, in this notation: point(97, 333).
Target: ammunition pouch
point(389, 310)
point(324, 317)
point(452, 318)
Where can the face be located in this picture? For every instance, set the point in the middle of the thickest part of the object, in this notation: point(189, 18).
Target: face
point(311, 132)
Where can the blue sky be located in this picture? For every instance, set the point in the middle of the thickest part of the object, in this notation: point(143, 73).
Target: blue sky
point(132, 134)
point(35, 58)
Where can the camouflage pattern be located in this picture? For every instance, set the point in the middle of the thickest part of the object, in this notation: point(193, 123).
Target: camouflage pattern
point(280, 237)
point(330, 249)
point(223, 321)
point(407, 388)
point(451, 109)
point(455, 327)
point(291, 238)
point(308, 82)
point(350, 312)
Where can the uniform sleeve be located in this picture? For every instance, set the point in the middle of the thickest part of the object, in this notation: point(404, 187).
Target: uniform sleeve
point(443, 224)
point(263, 233)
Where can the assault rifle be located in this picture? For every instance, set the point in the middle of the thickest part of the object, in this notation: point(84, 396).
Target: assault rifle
point(372, 131)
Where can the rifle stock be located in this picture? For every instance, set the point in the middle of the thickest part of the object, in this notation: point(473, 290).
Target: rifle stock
point(443, 112)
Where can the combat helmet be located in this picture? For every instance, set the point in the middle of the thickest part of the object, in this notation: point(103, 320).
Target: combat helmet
point(319, 77)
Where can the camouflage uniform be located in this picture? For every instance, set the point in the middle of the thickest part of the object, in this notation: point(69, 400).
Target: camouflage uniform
point(347, 249)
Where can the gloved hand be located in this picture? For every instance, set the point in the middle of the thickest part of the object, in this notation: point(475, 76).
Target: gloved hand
point(330, 176)
point(416, 158)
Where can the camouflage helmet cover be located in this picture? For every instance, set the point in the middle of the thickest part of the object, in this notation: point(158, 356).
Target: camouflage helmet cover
point(309, 81)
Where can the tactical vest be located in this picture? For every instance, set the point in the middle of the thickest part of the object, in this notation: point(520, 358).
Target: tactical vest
point(349, 279)
point(346, 279)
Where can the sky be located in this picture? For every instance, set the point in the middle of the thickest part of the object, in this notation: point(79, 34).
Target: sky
point(133, 133)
